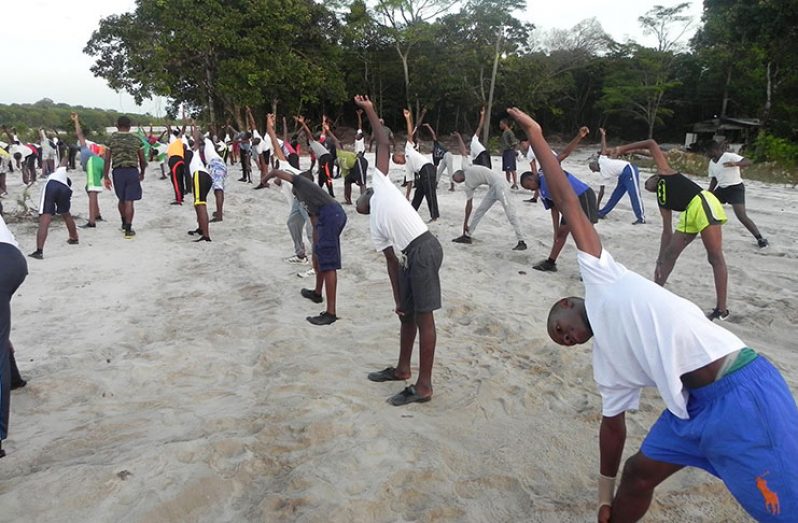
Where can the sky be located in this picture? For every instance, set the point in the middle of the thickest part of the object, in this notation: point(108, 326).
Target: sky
point(54, 32)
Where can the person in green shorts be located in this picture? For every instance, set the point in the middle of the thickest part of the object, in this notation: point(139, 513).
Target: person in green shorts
point(701, 213)
point(93, 165)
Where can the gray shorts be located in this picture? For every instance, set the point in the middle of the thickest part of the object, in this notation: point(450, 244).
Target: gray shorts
point(419, 283)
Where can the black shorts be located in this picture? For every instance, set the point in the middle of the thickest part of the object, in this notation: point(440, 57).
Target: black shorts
point(588, 202)
point(127, 184)
point(357, 174)
point(483, 159)
point(202, 183)
point(419, 281)
point(508, 160)
point(266, 155)
point(329, 225)
point(733, 194)
point(56, 198)
point(293, 160)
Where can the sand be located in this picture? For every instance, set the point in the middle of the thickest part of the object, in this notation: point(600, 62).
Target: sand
point(174, 381)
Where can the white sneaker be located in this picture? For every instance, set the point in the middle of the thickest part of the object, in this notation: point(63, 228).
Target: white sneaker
point(297, 260)
point(307, 274)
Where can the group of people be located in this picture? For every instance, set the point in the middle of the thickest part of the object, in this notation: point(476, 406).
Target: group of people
point(715, 388)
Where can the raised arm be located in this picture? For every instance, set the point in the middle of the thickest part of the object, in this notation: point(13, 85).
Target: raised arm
point(285, 133)
point(481, 121)
point(409, 123)
point(585, 236)
point(382, 162)
point(460, 144)
point(78, 131)
point(431, 132)
point(278, 151)
point(359, 113)
point(603, 134)
point(328, 132)
point(301, 121)
point(663, 167)
point(583, 131)
point(419, 122)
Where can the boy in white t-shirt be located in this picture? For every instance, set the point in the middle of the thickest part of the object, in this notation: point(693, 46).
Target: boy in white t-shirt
point(726, 183)
point(399, 233)
point(476, 151)
point(626, 177)
point(728, 412)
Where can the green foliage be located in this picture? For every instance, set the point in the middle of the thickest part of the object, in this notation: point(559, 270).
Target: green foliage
point(769, 148)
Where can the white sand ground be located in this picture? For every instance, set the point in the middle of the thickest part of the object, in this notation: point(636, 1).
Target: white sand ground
point(173, 381)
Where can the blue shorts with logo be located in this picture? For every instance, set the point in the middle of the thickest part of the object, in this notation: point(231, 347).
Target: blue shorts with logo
point(329, 226)
point(744, 430)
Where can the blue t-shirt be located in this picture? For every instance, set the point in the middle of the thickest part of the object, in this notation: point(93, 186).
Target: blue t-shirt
point(578, 186)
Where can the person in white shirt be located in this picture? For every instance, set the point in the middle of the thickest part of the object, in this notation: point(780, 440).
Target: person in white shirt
point(476, 151)
point(360, 141)
point(526, 153)
point(56, 199)
point(419, 169)
point(23, 154)
point(399, 233)
point(627, 179)
point(728, 410)
point(48, 153)
point(726, 183)
point(473, 176)
point(13, 273)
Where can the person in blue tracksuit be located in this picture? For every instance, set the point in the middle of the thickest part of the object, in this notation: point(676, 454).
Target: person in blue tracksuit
point(628, 181)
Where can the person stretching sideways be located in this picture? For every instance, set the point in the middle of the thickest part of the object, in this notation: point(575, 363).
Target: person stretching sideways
point(627, 179)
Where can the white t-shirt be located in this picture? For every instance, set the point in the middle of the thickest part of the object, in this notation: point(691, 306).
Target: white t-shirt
point(394, 222)
point(318, 148)
point(360, 143)
point(259, 147)
point(210, 151)
point(476, 148)
point(414, 160)
point(611, 168)
point(726, 176)
point(60, 175)
point(24, 150)
point(196, 163)
point(6, 235)
point(645, 336)
point(476, 175)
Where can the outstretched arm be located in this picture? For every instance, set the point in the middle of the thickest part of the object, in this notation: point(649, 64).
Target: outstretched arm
point(481, 121)
point(663, 167)
point(460, 144)
point(603, 134)
point(419, 122)
point(583, 131)
point(378, 134)
point(78, 131)
point(277, 173)
point(328, 132)
point(585, 236)
point(431, 132)
point(359, 119)
point(301, 121)
point(409, 122)
point(278, 151)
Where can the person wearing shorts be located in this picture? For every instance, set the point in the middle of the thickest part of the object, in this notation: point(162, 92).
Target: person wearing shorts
point(421, 170)
point(701, 213)
point(124, 151)
point(726, 183)
point(728, 410)
point(509, 145)
point(477, 152)
point(56, 198)
point(328, 219)
point(202, 182)
point(217, 170)
point(176, 154)
point(397, 228)
point(94, 165)
point(323, 156)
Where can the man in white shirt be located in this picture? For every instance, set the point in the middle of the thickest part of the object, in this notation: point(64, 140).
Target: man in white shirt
point(728, 412)
point(399, 232)
point(627, 179)
point(419, 169)
point(526, 153)
point(473, 176)
point(726, 183)
point(13, 273)
point(476, 151)
point(56, 199)
point(360, 141)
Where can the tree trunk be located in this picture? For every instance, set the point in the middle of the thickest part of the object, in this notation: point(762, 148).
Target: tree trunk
point(404, 56)
point(768, 95)
point(209, 91)
point(725, 104)
point(486, 129)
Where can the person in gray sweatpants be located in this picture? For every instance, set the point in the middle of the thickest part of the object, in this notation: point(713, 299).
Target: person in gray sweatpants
point(298, 219)
point(13, 273)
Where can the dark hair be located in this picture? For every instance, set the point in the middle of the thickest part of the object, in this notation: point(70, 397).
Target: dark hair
point(526, 175)
point(123, 122)
point(505, 121)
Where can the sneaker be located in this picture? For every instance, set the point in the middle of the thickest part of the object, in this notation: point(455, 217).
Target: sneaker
point(202, 239)
point(18, 384)
point(88, 226)
point(39, 255)
point(129, 234)
point(717, 314)
point(312, 296)
point(73, 241)
point(639, 222)
point(532, 200)
point(310, 273)
point(259, 186)
point(195, 231)
point(242, 179)
point(298, 260)
point(521, 246)
point(514, 187)
point(462, 239)
point(546, 265)
point(762, 242)
point(99, 218)
point(324, 318)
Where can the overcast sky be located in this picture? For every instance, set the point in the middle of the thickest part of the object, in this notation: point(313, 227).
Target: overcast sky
point(44, 42)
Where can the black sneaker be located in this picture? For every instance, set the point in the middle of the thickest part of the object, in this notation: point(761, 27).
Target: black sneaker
point(324, 318)
point(532, 200)
point(202, 239)
point(39, 255)
point(521, 246)
point(18, 384)
point(99, 218)
point(129, 233)
point(312, 296)
point(639, 222)
point(546, 265)
point(462, 239)
point(73, 241)
point(88, 226)
point(717, 314)
point(195, 231)
point(762, 242)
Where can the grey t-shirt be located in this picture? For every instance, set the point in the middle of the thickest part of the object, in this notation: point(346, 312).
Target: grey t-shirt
point(509, 141)
point(476, 175)
point(318, 148)
point(310, 195)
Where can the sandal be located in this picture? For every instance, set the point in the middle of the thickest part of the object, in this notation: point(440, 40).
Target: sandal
point(387, 374)
point(408, 395)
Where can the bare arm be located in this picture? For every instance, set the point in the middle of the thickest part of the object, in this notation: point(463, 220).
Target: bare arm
point(301, 121)
point(277, 173)
point(331, 136)
point(359, 113)
point(278, 151)
point(663, 167)
point(382, 162)
point(460, 144)
point(603, 141)
point(393, 274)
point(419, 122)
point(583, 131)
point(142, 163)
point(481, 121)
point(431, 132)
point(78, 131)
point(713, 182)
point(409, 123)
point(585, 236)
point(664, 243)
point(745, 162)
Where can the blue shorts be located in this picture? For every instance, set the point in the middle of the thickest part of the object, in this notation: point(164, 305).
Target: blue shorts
point(329, 225)
point(508, 160)
point(127, 185)
point(56, 198)
point(744, 430)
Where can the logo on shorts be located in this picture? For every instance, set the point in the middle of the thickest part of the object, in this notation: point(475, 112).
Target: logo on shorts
point(771, 498)
point(662, 195)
